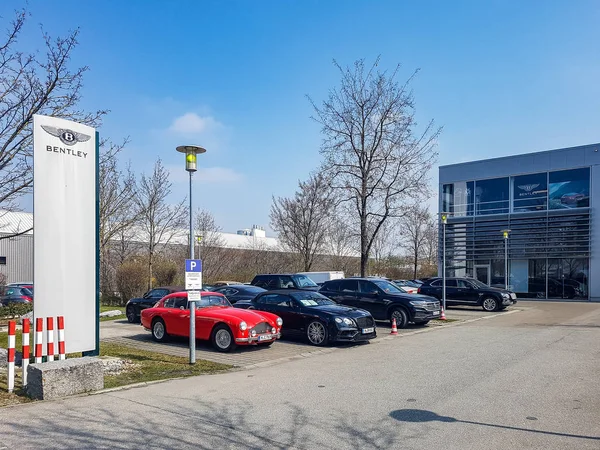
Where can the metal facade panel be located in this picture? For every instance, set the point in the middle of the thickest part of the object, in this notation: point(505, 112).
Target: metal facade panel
point(521, 164)
point(19, 258)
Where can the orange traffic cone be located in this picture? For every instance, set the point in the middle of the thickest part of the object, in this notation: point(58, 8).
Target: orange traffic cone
point(394, 328)
point(443, 316)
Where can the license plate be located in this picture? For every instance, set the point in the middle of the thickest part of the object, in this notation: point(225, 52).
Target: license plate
point(367, 330)
point(435, 313)
point(265, 337)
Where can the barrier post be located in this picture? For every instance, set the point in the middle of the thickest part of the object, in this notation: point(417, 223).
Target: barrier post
point(25, 360)
point(61, 337)
point(39, 336)
point(12, 327)
point(50, 338)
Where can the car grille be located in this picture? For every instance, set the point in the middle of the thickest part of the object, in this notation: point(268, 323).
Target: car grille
point(432, 306)
point(364, 322)
point(262, 327)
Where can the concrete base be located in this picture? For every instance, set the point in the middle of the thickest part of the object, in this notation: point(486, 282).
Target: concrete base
point(58, 379)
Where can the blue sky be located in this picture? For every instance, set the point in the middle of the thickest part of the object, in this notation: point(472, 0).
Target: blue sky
point(501, 77)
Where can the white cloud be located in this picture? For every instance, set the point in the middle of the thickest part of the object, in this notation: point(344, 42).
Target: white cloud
point(191, 123)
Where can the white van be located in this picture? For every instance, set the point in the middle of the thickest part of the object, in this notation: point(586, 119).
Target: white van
point(322, 277)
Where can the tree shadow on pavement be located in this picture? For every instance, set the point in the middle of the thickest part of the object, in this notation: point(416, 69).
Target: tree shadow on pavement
point(113, 421)
point(421, 415)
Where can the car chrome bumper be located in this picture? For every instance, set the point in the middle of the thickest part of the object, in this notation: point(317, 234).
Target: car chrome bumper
point(254, 340)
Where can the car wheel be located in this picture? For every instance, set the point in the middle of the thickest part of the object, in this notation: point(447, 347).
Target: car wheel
point(159, 331)
point(316, 333)
point(422, 323)
point(131, 315)
point(400, 316)
point(489, 304)
point(222, 338)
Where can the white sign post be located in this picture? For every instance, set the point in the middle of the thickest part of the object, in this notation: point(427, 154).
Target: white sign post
point(65, 228)
point(193, 284)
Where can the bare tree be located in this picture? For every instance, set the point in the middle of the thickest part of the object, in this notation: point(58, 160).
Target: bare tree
point(211, 245)
point(371, 150)
point(341, 246)
point(303, 220)
point(118, 213)
point(431, 242)
point(414, 227)
point(160, 221)
point(33, 83)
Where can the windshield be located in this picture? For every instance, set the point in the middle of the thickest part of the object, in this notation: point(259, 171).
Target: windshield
point(303, 281)
point(478, 284)
point(388, 288)
point(212, 300)
point(312, 299)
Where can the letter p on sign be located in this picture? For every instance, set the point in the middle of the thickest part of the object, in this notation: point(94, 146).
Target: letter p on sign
point(193, 265)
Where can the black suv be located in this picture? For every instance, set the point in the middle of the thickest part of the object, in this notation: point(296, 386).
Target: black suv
point(384, 300)
point(285, 281)
point(469, 291)
point(135, 305)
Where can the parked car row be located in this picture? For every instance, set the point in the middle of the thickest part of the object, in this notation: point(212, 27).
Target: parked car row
point(275, 305)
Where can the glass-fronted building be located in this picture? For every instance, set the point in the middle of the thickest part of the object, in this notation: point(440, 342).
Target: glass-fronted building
point(549, 201)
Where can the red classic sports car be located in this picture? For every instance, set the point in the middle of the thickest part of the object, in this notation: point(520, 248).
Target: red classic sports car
point(216, 320)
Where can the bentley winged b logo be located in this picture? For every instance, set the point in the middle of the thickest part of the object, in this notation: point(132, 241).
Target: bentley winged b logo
point(528, 187)
point(68, 137)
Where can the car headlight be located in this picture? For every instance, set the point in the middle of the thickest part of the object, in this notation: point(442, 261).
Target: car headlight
point(243, 326)
point(279, 321)
point(418, 303)
point(345, 321)
point(505, 295)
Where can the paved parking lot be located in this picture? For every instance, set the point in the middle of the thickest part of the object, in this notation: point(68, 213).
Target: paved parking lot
point(133, 335)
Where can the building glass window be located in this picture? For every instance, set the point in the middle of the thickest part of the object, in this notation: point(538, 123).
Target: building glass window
point(568, 278)
point(492, 196)
point(530, 192)
point(457, 198)
point(448, 198)
point(569, 189)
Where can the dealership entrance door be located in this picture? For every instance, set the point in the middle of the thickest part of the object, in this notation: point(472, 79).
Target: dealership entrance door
point(482, 273)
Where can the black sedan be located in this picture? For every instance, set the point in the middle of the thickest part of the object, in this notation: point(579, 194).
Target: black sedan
point(313, 315)
point(135, 306)
point(237, 292)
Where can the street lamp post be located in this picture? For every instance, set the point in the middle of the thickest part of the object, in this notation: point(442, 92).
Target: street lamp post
point(444, 221)
point(505, 235)
point(191, 151)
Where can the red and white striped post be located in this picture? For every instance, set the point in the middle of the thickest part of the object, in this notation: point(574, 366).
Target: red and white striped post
point(61, 337)
point(50, 338)
point(12, 327)
point(25, 360)
point(39, 336)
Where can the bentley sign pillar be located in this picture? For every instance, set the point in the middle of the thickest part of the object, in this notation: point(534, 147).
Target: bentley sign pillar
point(65, 228)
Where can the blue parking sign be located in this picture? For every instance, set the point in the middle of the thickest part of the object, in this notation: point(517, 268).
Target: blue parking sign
point(193, 265)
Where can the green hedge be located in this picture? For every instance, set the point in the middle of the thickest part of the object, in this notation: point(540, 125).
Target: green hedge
point(15, 310)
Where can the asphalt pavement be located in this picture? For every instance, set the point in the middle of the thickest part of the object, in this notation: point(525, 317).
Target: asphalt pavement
point(528, 379)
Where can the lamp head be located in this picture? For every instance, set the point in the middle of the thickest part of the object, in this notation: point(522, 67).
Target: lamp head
point(190, 155)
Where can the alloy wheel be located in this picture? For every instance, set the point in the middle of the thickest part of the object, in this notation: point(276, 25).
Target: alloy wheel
point(158, 330)
point(316, 333)
point(489, 304)
point(223, 339)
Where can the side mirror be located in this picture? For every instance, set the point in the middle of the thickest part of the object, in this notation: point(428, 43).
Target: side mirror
point(182, 308)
